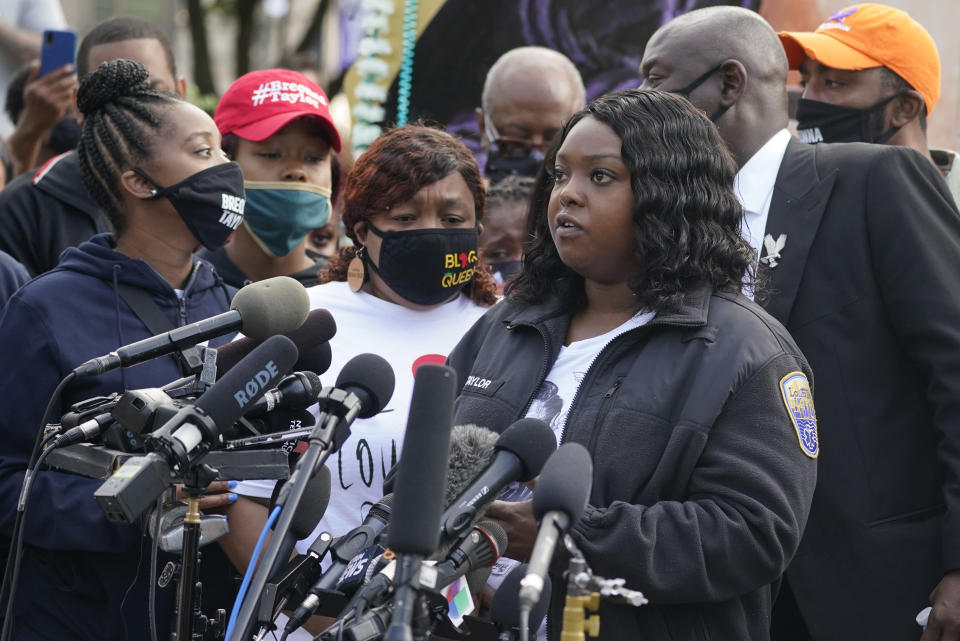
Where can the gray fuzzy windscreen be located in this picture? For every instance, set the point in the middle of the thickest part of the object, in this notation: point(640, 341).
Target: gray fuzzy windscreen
point(471, 450)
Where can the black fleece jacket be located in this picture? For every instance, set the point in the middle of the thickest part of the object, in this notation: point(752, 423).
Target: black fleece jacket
point(701, 487)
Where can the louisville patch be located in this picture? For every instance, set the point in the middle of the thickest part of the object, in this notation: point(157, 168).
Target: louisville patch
point(799, 401)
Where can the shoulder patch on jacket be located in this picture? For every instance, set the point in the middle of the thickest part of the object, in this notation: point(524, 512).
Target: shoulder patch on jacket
point(482, 385)
point(798, 398)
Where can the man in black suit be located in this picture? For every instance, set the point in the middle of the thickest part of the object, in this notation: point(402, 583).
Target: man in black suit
point(860, 245)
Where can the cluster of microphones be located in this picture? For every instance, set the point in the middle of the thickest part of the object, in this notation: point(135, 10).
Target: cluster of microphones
point(385, 578)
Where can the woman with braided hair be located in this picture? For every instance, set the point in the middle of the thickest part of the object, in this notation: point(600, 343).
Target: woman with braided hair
point(153, 163)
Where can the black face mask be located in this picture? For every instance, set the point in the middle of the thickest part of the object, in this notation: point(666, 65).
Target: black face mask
point(508, 159)
point(426, 266)
point(699, 80)
point(64, 136)
point(210, 202)
point(823, 122)
point(504, 270)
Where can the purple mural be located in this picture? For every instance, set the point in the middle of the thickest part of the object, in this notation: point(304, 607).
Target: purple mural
point(604, 38)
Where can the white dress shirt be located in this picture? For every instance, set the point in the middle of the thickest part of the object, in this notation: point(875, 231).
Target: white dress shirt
point(753, 186)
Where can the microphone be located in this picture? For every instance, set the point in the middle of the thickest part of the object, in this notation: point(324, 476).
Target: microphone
point(295, 392)
point(479, 548)
point(343, 551)
point(558, 501)
point(370, 378)
point(471, 449)
point(364, 387)
point(505, 608)
point(84, 431)
point(316, 360)
point(520, 454)
point(262, 309)
point(193, 430)
point(418, 498)
point(318, 328)
point(307, 515)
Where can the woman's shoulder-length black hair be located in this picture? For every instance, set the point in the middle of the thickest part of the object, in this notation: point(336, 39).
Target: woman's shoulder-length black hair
point(686, 217)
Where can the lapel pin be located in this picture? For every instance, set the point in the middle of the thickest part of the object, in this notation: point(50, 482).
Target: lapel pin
point(773, 248)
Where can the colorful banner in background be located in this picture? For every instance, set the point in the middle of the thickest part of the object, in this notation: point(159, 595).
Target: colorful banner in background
point(458, 40)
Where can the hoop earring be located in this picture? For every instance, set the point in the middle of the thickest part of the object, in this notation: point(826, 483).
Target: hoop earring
point(356, 272)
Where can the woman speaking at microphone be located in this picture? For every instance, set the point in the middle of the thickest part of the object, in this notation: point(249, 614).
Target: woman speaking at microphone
point(153, 163)
point(407, 290)
point(626, 331)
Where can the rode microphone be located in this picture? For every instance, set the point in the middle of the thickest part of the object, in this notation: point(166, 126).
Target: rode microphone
point(559, 500)
point(314, 334)
point(193, 430)
point(520, 453)
point(260, 310)
point(418, 498)
point(505, 607)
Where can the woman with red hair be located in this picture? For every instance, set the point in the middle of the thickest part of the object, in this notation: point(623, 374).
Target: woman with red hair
point(407, 290)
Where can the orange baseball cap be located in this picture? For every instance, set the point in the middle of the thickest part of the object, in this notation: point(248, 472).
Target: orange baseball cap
point(864, 36)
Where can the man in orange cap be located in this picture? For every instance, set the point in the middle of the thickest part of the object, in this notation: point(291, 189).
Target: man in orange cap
point(859, 246)
point(870, 73)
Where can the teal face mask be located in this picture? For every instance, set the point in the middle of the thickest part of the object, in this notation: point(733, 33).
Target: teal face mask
point(279, 215)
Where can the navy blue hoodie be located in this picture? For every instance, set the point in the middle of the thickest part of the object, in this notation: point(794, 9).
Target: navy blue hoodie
point(78, 566)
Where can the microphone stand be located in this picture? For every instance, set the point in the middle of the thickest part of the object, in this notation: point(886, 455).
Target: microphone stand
point(336, 406)
point(190, 588)
point(584, 591)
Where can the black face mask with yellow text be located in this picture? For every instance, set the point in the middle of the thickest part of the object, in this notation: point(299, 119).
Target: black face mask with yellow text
point(426, 266)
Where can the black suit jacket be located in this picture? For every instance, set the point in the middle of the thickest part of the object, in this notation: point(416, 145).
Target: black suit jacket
point(869, 286)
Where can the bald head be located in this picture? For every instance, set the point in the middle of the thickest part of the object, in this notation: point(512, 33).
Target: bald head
point(746, 89)
point(529, 92)
point(711, 35)
point(549, 71)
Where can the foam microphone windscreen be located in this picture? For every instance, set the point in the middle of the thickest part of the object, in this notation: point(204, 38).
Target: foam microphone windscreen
point(421, 477)
point(471, 449)
point(312, 505)
point(314, 333)
point(273, 306)
point(532, 441)
point(316, 360)
point(497, 536)
point(505, 607)
point(242, 386)
point(370, 377)
point(565, 482)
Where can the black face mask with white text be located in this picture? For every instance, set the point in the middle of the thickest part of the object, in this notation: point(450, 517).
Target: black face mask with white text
point(210, 202)
point(824, 122)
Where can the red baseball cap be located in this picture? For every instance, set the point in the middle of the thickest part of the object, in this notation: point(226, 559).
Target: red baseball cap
point(260, 103)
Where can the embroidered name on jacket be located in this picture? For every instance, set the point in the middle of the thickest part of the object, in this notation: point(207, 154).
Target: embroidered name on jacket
point(481, 385)
point(799, 401)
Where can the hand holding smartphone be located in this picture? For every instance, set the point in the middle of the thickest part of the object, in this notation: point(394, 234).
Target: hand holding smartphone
point(58, 49)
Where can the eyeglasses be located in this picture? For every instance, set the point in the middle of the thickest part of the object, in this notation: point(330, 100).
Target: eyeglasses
point(512, 147)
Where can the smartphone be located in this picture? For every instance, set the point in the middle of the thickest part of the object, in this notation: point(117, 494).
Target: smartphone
point(59, 48)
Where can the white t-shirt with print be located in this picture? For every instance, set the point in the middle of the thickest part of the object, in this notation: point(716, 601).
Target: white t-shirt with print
point(406, 338)
point(551, 404)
